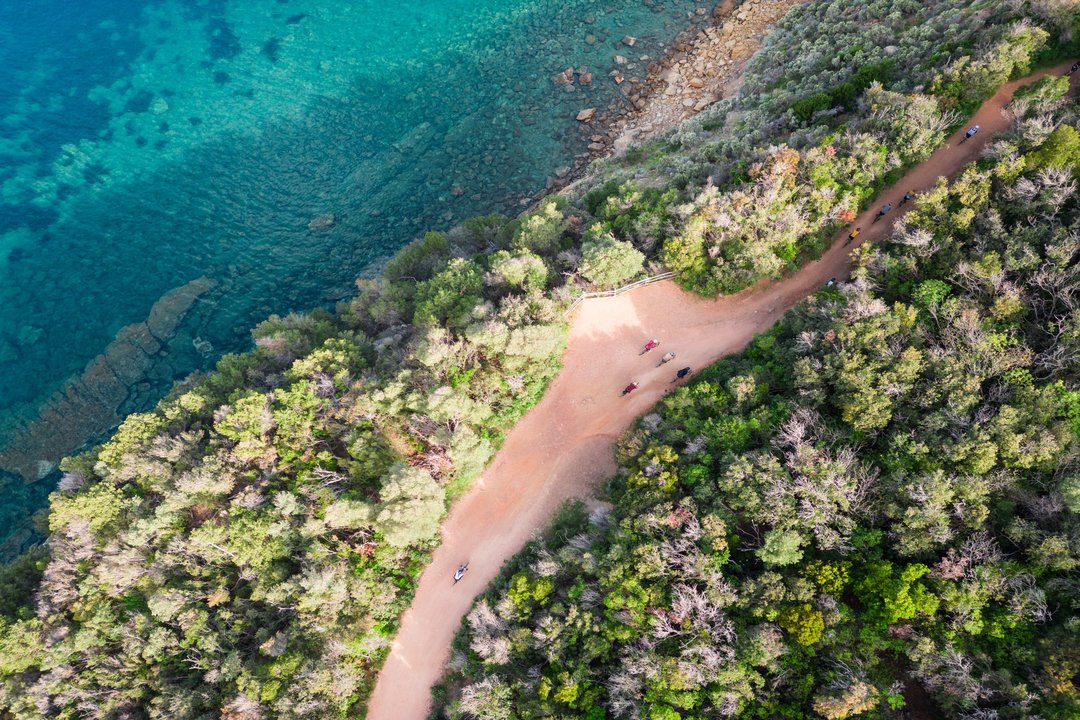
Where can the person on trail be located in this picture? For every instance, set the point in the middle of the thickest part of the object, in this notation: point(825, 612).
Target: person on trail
point(668, 357)
point(1074, 68)
point(630, 388)
point(885, 210)
point(831, 282)
point(461, 573)
point(907, 196)
point(852, 235)
point(681, 374)
point(968, 135)
point(649, 346)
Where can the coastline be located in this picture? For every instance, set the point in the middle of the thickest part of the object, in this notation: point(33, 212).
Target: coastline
point(703, 66)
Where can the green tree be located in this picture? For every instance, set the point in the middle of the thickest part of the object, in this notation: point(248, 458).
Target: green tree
point(522, 270)
point(606, 261)
point(542, 231)
point(1060, 150)
point(781, 548)
point(890, 596)
point(804, 622)
point(450, 296)
point(411, 505)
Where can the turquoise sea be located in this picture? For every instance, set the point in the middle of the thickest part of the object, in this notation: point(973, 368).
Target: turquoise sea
point(257, 155)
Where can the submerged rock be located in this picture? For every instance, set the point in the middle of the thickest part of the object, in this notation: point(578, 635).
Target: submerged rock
point(29, 335)
point(322, 222)
point(566, 77)
point(92, 403)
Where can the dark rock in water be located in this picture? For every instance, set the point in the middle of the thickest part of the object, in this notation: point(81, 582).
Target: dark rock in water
point(272, 49)
point(322, 222)
point(140, 102)
point(224, 44)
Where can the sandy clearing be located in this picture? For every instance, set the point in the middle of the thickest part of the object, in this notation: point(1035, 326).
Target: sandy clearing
point(563, 447)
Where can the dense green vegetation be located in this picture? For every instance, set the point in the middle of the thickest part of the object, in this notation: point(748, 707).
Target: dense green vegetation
point(248, 546)
point(245, 550)
point(856, 92)
point(879, 499)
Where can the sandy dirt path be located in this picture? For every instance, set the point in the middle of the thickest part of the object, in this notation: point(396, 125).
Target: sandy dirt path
point(563, 447)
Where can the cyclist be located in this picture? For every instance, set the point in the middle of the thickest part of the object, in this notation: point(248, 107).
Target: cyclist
point(852, 235)
point(970, 133)
point(461, 573)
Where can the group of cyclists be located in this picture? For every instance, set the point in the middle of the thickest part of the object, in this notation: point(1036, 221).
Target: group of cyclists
point(664, 360)
point(908, 196)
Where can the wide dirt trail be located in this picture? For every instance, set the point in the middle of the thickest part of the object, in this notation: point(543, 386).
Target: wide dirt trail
point(563, 447)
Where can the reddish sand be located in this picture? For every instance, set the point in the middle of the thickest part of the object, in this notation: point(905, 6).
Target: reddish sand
point(563, 447)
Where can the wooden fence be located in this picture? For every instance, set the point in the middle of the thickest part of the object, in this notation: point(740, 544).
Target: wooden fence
point(617, 291)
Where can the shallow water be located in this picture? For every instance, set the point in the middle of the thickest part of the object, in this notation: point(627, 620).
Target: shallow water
point(277, 148)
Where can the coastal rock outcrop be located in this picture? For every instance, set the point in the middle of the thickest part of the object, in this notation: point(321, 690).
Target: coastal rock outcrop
point(706, 66)
point(703, 65)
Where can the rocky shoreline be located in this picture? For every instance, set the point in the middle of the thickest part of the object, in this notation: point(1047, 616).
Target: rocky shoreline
point(703, 66)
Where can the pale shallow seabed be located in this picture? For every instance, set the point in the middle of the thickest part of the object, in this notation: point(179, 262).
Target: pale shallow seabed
point(143, 146)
